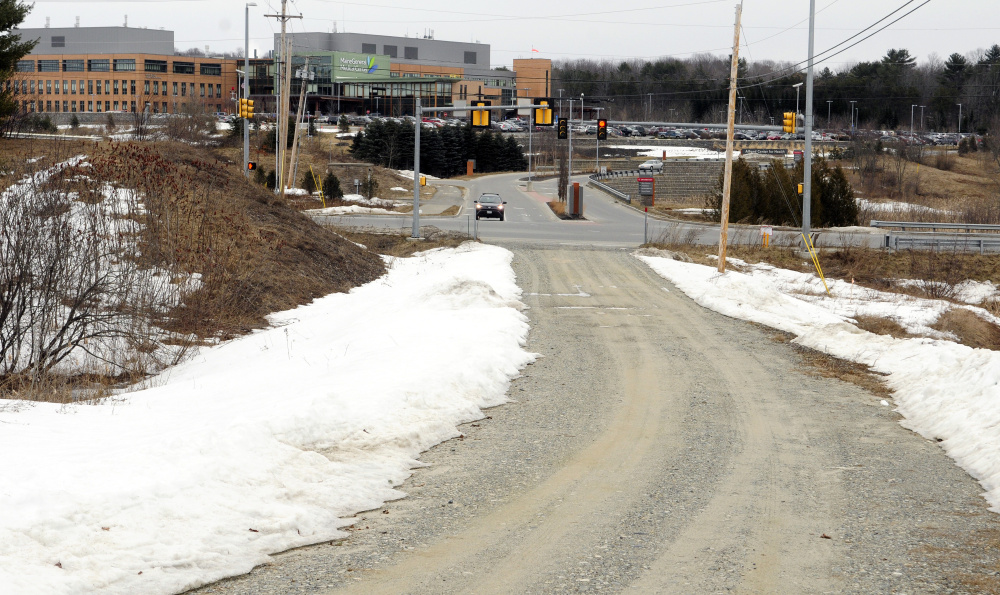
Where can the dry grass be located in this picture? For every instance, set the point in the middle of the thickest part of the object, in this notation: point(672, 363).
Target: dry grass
point(398, 243)
point(882, 326)
point(558, 207)
point(982, 547)
point(970, 329)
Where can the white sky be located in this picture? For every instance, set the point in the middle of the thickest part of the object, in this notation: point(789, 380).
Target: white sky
point(775, 29)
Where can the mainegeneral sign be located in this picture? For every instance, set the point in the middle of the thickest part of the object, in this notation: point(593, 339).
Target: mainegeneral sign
point(360, 66)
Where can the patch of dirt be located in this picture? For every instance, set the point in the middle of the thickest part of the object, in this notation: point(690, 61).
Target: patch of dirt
point(883, 326)
point(827, 366)
point(398, 243)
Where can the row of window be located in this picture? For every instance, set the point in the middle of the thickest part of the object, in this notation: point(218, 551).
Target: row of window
point(409, 53)
point(106, 106)
point(110, 87)
point(115, 65)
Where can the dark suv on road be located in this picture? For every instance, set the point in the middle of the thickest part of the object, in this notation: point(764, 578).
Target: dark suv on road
point(490, 204)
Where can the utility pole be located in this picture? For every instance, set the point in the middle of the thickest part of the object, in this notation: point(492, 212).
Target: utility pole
point(293, 162)
point(727, 181)
point(569, 132)
point(807, 174)
point(284, 88)
point(418, 112)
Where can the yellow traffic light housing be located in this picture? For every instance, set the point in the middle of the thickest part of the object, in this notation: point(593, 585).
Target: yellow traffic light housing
point(246, 108)
point(602, 130)
point(481, 118)
point(543, 115)
point(562, 129)
point(788, 123)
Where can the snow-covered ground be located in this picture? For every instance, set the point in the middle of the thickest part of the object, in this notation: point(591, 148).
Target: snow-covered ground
point(364, 206)
point(945, 391)
point(263, 443)
point(897, 207)
point(673, 152)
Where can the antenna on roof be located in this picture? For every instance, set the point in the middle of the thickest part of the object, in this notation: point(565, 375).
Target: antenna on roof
point(77, 25)
point(126, 21)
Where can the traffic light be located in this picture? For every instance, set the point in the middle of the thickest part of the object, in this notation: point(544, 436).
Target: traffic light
point(251, 165)
point(602, 130)
point(246, 108)
point(562, 130)
point(788, 122)
point(481, 118)
point(543, 115)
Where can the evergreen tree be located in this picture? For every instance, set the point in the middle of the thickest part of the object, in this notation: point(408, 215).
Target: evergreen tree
point(260, 177)
point(308, 182)
point(343, 124)
point(74, 122)
point(12, 49)
point(272, 180)
point(331, 186)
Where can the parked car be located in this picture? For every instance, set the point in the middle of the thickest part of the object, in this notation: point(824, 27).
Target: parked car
point(653, 165)
point(489, 204)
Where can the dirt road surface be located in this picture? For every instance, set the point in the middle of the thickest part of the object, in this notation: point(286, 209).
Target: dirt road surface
point(658, 447)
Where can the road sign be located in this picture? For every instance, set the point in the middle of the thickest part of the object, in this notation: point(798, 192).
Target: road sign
point(646, 186)
point(763, 151)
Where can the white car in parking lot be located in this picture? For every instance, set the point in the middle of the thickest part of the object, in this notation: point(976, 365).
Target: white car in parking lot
point(653, 165)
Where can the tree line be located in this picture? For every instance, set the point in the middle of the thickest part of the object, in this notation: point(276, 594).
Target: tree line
point(444, 152)
point(883, 91)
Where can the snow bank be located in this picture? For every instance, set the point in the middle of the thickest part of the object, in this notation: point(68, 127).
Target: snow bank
point(945, 391)
point(261, 444)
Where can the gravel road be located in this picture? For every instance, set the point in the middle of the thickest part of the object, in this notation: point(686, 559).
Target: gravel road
point(658, 447)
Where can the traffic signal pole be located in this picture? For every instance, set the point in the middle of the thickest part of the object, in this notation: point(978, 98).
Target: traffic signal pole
point(807, 174)
point(246, 90)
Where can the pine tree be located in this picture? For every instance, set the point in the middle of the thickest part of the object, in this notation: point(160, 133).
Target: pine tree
point(331, 186)
point(12, 49)
point(308, 182)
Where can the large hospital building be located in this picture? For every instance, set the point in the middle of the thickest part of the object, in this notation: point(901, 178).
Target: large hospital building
point(124, 69)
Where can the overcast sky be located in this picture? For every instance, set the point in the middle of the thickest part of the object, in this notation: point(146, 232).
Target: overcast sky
point(772, 29)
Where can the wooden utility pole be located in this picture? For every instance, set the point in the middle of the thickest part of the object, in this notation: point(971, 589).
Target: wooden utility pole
point(727, 181)
point(284, 87)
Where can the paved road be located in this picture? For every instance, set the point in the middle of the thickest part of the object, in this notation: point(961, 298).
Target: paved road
point(607, 222)
point(658, 447)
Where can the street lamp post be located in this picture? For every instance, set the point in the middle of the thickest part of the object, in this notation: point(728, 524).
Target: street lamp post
point(246, 86)
point(852, 116)
point(531, 124)
point(922, 117)
point(649, 105)
point(829, 103)
point(797, 87)
point(911, 120)
point(959, 119)
point(560, 104)
point(569, 132)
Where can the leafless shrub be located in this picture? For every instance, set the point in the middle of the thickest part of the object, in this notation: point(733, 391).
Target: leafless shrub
point(944, 160)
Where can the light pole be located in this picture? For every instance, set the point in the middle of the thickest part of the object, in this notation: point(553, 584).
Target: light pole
point(960, 119)
point(569, 132)
point(922, 117)
point(581, 109)
point(852, 115)
point(829, 103)
point(649, 105)
point(797, 87)
point(911, 120)
point(560, 104)
point(531, 124)
point(246, 86)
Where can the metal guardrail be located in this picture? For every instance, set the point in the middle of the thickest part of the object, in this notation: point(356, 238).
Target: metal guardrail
point(935, 226)
point(609, 189)
point(954, 242)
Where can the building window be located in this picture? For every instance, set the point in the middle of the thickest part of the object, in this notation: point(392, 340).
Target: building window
point(202, 90)
point(90, 106)
point(211, 89)
point(183, 67)
point(72, 87)
point(368, 48)
point(124, 65)
point(26, 66)
point(72, 65)
point(72, 106)
point(90, 87)
point(48, 105)
point(470, 57)
point(184, 89)
point(155, 65)
point(156, 87)
point(218, 91)
point(116, 86)
point(57, 87)
point(99, 65)
point(211, 69)
point(65, 86)
point(410, 53)
point(48, 88)
point(131, 86)
point(390, 50)
point(175, 89)
point(98, 87)
point(48, 66)
point(145, 87)
point(65, 106)
point(59, 42)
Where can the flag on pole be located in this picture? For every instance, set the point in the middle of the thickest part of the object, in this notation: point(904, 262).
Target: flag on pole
point(533, 49)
